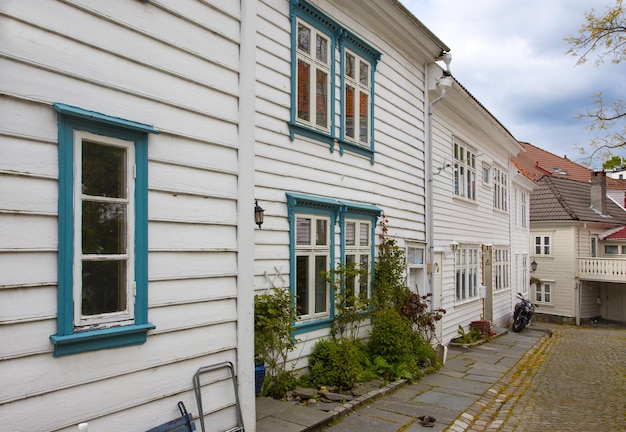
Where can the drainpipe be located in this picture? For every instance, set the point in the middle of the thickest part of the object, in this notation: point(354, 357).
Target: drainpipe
point(444, 82)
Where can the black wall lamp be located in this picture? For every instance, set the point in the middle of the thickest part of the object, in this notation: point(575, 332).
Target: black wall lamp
point(533, 266)
point(258, 213)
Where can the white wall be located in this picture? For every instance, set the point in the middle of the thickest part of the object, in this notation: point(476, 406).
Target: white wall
point(175, 66)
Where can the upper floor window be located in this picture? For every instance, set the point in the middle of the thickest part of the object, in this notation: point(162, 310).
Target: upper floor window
point(466, 275)
point(103, 231)
point(313, 76)
point(464, 172)
point(500, 189)
point(594, 246)
point(357, 91)
point(327, 57)
point(542, 245)
point(611, 250)
point(524, 209)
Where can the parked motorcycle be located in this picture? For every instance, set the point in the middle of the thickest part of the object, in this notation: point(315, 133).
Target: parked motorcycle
point(524, 311)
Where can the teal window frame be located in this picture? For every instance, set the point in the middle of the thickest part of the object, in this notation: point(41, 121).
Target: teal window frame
point(70, 339)
point(341, 38)
point(338, 211)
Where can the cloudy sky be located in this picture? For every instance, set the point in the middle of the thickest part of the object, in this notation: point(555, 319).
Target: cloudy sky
point(510, 54)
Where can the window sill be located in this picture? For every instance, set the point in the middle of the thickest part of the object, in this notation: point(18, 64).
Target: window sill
point(309, 326)
point(463, 200)
point(464, 302)
point(325, 137)
point(94, 340)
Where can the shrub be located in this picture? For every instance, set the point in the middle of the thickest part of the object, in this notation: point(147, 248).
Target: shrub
point(336, 362)
point(391, 337)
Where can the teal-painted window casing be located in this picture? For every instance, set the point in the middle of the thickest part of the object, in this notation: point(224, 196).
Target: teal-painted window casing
point(321, 71)
point(93, 136)
point(302, 208)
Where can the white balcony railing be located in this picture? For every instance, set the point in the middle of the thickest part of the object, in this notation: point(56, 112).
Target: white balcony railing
point(602, 269)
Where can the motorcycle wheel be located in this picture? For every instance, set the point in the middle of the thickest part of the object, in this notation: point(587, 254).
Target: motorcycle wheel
point(518, 323)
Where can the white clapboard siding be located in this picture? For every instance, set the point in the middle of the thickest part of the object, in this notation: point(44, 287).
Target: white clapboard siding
point(39, 376)
point(26, 338)
point(165, 236)
point(27, 193)
point(20, 155)
point(178, 291)
point(27, 302)
point(28, 232)
point(29, 268)
point(170, 206)
point(191, 264)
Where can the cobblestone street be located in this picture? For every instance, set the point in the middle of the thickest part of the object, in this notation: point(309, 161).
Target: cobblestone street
point(574, 381)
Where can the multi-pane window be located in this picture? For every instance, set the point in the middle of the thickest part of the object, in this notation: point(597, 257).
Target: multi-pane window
point(103, 232)
point(542, 245)
point(500, 189)
point(332, 70)
point(466, 277)
point(525, 282)
point(611, 250)
point(103, 259)
point(501, 266)
point(543, 293)
point(524, 209)
point(356, 98)
point(313, 76)
point(312, 262)
point(464, 172)
point(358, 254)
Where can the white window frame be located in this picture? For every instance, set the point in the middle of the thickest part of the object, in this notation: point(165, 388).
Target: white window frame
point(543, 248)
point(315, 65)
point(613, 248)
point(501, 269)
point(500, 189)
point(312, 250)
point(464, 177)
point(125, 316)
point(524, 209)
point(545, 289)
point(360, 88)
point(359, 250)
point(467, 267)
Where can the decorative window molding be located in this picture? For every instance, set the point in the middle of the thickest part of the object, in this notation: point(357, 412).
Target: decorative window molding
point(90, 141)
point(316, 39)
point(310, 251)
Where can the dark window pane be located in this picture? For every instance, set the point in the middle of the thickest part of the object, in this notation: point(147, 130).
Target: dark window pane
point(304, 38)
point(320, 284)
point(321, 98)
point(321, 232)
point(303, 231)
point(304, 110)
point(104, 228)
point(103, 170)
point(321, 49)
point(104, 287)
point(350, 111)
point(350, 69)
point(302, 285)
point(364, 71)
point(363, 123)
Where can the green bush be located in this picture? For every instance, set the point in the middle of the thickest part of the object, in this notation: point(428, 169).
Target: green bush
point(336, 362)
point(391, 337)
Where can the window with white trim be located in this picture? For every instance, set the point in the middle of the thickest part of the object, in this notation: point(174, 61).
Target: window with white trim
point(543, 293)
point(524, 209)
point(313, 76)
point(542, 245)
point(525, 282)
point(356, 98)
point(103, 232)
point(312, 255)
point(501, 267)
point(466, 275)
point(500, 189)
point(464, 172)
point(358, 255)
point(611, 249)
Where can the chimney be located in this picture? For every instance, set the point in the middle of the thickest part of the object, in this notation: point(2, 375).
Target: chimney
point(598, 191)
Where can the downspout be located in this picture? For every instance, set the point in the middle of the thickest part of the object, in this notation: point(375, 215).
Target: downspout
point(444, 81)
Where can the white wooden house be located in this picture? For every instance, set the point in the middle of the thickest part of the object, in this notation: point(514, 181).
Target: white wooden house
point(126, 210)
point(480, 205)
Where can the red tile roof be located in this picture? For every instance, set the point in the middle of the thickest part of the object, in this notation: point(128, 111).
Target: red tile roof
point(617, 235)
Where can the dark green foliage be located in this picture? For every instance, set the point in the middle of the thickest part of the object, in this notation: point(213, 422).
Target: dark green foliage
point(391, 337)
point(351, 309)
point(274, 315)
point(336, 363)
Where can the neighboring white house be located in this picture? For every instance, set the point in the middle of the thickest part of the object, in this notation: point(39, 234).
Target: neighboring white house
point(480, 205)
point(578, 242)
point(126, 210)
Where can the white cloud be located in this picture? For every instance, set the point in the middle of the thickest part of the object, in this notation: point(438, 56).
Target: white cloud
point(511, 56)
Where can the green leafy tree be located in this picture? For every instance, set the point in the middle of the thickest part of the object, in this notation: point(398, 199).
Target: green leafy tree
point(614, 162)
point(603, 36)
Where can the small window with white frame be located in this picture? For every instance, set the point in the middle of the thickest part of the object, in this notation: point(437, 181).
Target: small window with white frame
point(486, 175)
point(524, 209)
point(464, 171)
point(501, 266)
point(500, 189)
point(611, 249)
point(358, 251)
point(357, 91)
point(543, 292)
point(542, 245)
